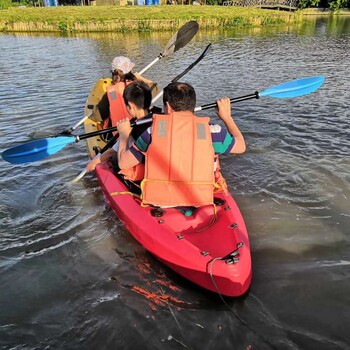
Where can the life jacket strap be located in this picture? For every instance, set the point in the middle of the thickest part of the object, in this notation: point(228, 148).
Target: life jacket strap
point(180, 182)
point(125, 192)
point(213, 220)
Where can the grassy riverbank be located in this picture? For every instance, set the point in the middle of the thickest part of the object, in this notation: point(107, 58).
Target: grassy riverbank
point(141, 18)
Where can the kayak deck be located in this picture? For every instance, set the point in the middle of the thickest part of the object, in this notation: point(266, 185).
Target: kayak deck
point(188, 244)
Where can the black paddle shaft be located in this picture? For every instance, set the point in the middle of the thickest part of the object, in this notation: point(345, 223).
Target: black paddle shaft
point(105, 131)
point(233, 100)
point(209, 105)
point(94, 133)
point(177, 78)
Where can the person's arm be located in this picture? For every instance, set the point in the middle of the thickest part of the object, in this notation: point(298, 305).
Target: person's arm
point(224, 112)
point(126, 159)
point(153, 86)
point(142, 78)
point(104, 157)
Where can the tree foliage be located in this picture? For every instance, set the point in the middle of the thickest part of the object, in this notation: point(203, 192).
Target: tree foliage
point(307, 3)
point(336, 5)
point(5, 4)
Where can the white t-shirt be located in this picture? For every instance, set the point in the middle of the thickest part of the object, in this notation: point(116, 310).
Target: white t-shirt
point(116, 145)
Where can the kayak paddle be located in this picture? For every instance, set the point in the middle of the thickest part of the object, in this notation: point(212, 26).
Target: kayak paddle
point(72, 128)
point(290, 89)
point(180, 39)
point(177, 78)
point(39, 149)
point(42, 148)
point(108, 145)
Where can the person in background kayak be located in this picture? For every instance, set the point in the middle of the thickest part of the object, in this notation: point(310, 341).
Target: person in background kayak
point(137, 98)
point(178, 150)
point(122, 75)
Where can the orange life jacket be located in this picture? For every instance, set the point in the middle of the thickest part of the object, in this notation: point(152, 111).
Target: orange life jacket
point(179, 168)
point(136, 173)
point(117, 108)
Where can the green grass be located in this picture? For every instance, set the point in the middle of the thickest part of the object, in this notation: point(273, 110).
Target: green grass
point(108, 18)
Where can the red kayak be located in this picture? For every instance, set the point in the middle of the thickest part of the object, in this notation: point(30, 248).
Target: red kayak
point(210, 249)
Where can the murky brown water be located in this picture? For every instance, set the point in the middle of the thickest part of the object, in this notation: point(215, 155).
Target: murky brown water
point(73, 278)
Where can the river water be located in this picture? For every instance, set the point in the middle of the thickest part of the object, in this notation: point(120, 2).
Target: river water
point(72, 277)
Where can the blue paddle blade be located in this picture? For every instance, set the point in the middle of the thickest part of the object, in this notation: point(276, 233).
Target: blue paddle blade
point(294, 88)
point(36, 150)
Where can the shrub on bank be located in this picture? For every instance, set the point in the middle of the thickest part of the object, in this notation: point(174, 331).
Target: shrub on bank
point(5, 4)
point(141, 18)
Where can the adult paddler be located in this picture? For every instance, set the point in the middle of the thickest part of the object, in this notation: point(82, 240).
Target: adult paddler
point(179, 150)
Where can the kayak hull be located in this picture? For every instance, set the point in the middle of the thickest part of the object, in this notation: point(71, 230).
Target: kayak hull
point(192, 245)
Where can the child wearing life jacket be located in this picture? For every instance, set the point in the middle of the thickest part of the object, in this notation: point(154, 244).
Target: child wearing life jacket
point(179, 149)
point(122, 75)
point(137, 98)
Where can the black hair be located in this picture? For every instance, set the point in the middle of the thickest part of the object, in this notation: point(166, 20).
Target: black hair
point(119, 76)
point(138, 93)
point(180, 96)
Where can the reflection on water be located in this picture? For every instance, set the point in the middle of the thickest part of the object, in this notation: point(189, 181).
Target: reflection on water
point(73, 277)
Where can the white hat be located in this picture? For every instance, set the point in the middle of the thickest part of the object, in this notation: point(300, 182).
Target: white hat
point(122, 63)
